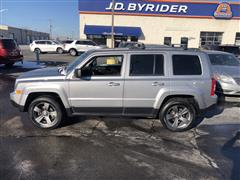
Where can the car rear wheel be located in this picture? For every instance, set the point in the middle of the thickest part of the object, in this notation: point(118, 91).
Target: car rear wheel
point(73, 52)
point(60, 51)
point(178, 114)
point(45, 113)
point(37, 50)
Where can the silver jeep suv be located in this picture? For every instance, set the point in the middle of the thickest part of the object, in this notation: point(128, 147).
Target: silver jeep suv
point(169, 84)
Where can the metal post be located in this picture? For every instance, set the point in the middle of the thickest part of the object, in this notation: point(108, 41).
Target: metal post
point(112, 33)
point(37, 57)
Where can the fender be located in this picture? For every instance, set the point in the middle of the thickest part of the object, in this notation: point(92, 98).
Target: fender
point(181, 91)
point(49, 88)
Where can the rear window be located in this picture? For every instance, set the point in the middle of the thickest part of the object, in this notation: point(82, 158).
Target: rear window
point(147, 65)
point(223, 60)
point(186, 65)
point(8, 44)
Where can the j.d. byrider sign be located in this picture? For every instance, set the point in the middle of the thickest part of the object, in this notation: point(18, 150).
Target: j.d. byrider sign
point(146, 7)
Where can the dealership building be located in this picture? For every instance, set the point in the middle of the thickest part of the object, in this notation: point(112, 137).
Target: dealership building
point(191, 22)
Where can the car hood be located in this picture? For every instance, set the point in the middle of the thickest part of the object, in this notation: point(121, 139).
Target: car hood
point(233, 71)
point(42, 74)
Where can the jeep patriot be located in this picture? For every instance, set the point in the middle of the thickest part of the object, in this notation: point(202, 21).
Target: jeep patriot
point(168, 84)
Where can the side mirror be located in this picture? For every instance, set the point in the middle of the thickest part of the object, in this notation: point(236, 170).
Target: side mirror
point(78, 73)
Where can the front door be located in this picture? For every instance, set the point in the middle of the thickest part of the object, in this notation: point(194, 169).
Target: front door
point(100, 88)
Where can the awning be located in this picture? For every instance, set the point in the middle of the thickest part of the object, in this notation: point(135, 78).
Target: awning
point(118, 30)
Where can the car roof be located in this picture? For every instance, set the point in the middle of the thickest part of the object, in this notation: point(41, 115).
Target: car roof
point(107, 50)
point(215, 52)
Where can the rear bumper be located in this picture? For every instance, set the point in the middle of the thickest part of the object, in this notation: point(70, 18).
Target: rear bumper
point(7, 60)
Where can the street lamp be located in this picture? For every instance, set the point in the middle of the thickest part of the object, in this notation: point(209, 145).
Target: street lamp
point(112, 32)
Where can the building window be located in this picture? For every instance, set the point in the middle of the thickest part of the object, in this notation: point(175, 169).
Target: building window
point(168, 41)
point(184, 42)
point(237, 40)
point(11, 35)
point(28, 40)
point(210, 38)
point(99, 39)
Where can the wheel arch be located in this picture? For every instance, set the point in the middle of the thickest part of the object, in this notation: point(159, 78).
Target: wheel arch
point(54, 95)
point(191, 99)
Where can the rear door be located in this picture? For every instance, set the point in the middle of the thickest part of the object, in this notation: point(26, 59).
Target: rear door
point(51, 46)
point(145, 77)
point(80, 46)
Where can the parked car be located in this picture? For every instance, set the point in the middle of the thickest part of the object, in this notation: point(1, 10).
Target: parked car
point(226, 68)
point(10, 52)
point(172, 85)
point(234, 49)
point(80, 46)
point(45, 46)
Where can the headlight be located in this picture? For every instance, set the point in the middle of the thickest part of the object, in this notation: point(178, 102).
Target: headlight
point(224, 78)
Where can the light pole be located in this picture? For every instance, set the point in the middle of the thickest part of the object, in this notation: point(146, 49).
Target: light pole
point(2, 11)
point(112, 32)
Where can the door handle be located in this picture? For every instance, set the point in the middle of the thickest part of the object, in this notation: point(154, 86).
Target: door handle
point(157, 84)
point(113, 84)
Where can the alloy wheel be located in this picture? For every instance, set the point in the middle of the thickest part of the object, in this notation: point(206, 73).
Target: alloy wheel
point(45, 114)
point(178, 117)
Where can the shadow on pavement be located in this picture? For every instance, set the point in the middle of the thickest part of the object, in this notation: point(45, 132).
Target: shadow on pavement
point(232, 152)
point(219, 141)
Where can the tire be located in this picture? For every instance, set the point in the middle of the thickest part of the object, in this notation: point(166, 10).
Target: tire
point(73, 52)
point(45, 112)
point(37, 50)
point(172, 117)
point(60, 51)
point(9, 65)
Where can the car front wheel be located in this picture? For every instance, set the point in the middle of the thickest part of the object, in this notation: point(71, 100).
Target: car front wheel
point(60, 51)
point(178, 114)
point(73, 52)
point(45, 113)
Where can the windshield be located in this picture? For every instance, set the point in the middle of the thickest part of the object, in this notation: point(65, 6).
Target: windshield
point(223, 60)
point(75, 63)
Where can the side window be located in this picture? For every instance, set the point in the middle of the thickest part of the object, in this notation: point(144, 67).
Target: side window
point(103, 66)
point(89, 43)
point(147, 65)
point(79, 42)
point(186, 65)
point(49, 42)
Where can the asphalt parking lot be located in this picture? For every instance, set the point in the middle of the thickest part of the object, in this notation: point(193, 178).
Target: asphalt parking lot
point(116, 148)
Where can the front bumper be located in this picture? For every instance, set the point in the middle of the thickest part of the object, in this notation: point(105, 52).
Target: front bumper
point(228, 89)
point(13, 100)
point(10, 59)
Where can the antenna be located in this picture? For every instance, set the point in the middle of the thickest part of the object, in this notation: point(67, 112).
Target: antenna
point(50, 28)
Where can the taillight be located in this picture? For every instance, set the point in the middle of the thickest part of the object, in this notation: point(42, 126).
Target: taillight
point(213, 87)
